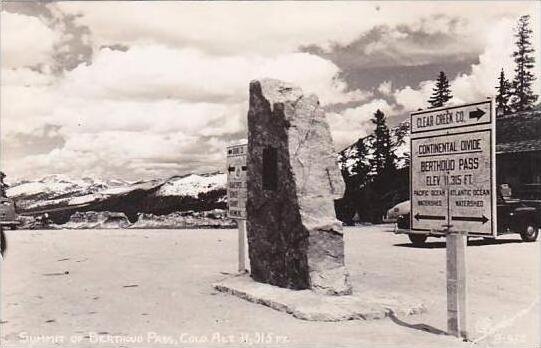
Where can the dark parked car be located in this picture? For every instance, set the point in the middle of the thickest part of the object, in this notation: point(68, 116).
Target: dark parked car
point(8, 214)
point(514, 216)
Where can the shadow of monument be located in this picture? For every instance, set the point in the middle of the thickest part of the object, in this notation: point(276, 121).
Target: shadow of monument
point(476, 242)
point(420, 327)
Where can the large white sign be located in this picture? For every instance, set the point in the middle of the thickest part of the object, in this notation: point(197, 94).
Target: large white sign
point(236, 181)
point(452, 172)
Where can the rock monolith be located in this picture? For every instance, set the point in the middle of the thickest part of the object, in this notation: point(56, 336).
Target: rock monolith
point(295, 240)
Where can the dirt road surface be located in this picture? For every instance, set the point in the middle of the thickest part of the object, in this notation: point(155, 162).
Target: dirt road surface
point(152, 288)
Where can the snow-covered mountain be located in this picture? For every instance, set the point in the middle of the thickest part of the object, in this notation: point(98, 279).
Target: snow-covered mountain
point(62, 195)
point(192, 185)
point(58, 185)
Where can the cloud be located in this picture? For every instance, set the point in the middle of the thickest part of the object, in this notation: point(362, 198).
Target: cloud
point(409, 50)
point(156, 71)
point(33, 141)
point(226, 28)
point(158, 88)
point(385, 88)
point(480, 83)
point(219, 28)
point(405, 54)
point(27, 96)
point(222, 28)
point(354, 123)
point(150, 103)
point(148, 89)
point(127, 154)
point(497, 55)
point(72, 43)
point(33, 44)
point(412, 99)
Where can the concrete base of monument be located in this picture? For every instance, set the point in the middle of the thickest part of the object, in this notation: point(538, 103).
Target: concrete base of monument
point(308, 305)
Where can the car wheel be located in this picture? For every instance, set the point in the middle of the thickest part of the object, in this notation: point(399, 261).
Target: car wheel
point(417, 239)
point(530, 232)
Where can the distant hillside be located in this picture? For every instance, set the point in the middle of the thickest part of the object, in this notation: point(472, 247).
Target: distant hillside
point(362, 199)
point(61, 196)
point(360, 153)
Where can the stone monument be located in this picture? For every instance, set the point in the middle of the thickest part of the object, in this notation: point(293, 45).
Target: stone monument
point(294, 238)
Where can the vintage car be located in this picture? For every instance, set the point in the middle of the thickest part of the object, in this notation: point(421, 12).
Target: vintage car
point(8, 213)
point(395, 212)
point(513, 216)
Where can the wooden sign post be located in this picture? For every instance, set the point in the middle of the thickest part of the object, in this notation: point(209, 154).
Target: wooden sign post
point(236, 199)
point(456, 284)
point(453, 188)
point(243, 262)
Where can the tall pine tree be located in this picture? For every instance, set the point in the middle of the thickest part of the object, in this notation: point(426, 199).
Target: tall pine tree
point(523, 96)
point(384, 158)
point(384, 164)
point(441, 93)
point(502, 98)
point(401, 132)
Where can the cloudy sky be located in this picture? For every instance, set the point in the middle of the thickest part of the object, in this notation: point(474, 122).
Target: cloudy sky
point(150, 89)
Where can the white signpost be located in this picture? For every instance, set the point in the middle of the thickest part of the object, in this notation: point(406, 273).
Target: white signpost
point(453, 187)
point(236, 197)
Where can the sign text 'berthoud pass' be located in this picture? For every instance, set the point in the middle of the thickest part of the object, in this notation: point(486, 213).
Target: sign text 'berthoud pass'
point(452, 173)
point(236, 181)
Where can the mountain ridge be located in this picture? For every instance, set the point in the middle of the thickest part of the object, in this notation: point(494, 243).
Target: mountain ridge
point(61, 196)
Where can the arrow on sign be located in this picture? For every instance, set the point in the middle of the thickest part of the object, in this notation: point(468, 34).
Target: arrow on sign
point(428, 217)
point(477, 114)
point(483, 219)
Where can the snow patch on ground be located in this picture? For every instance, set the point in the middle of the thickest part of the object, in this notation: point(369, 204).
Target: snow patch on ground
point(93, 219)
point(209, 219)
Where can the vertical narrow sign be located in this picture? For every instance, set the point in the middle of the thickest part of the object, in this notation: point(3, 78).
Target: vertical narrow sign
point(236, 198)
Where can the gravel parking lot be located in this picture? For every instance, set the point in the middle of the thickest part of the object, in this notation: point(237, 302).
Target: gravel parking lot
point(141, 288)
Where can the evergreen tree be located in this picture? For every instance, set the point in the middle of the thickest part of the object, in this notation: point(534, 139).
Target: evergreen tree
point(523, 96)
point(401, 132)
point(360, 168)
point(441, 93)
point(502, 98)
point(383, 164)
point(355, 173)
point(384, 158)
